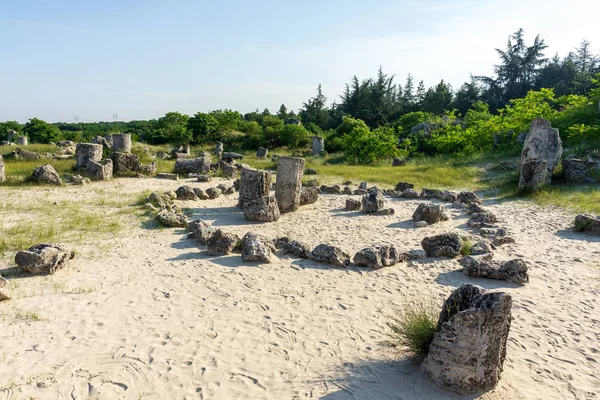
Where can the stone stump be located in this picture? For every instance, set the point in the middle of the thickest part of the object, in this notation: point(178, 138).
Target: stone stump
point(121, 143)
point(254, 184)
point(22, 141)
point(219, 148)
point(2, 171)
point(318, 145)
point(87, 152)
point(262, 152)
point(542, 143)
point(200, 165)
point(469, 348)
point(124, 162)
point(288, 187)
point(533, 175)
point(101, 170)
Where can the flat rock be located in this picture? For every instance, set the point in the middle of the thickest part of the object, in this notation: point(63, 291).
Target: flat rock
point(44, 258)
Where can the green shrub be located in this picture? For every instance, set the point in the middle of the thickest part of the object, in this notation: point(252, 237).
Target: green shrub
point(467, 245)
point(412, 329)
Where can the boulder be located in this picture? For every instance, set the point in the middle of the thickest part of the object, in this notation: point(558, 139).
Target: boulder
point(533, 175)
point(160, 200)
point(86, 153)
point(373, 201)
point(402, 186)
point(308, 195)
point(170, 218)
point(100, 170)
point(499, 241)
point(227, 170)
point(330, 254)
point(474, 208)
point(431, 213)
point(416, 254)
point(359, 192)
point(469, 348)
point(263, 209)
point(444, 245)
point(257, 248)
point(121, 142)
point(431, 194)
point(310, 171)
point(149, 169)
point(218, 149)
point(4, 289)
point(262, 152)
point(363, 185)
point(22, 141)
point(201, 194)
point(232, 155)
point(378, 256)
point(410, 194)
point(288, 185)
point(46, 174)
point(20, 154)
point(318, 145)
point(481, 247)
point(213, 193)
point(96, 140)
point(449, 196)
point(77, 180)
point(469, 198)
point(576, 171)
point(125, 163)
point(587, 223)
point(347, 190)
point(172, 177)
point(2, 171)
point(185, 193)
point(280, 242)
point(254, 184)
point(195, 165)
point(296, 248)
point(222, 243)
point(44, 258)
point(200, 231)
point(482, 219)
point(335, 189)
point(386, 211)
point(542, 143)
point(353, 205)
point(512, 271)
point(397, 162)
point(203, 178)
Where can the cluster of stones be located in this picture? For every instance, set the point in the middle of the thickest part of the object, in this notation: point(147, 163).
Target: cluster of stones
point(187, 193)
point(167, 212)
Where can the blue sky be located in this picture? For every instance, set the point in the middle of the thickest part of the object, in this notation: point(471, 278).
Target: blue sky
point(141, 59)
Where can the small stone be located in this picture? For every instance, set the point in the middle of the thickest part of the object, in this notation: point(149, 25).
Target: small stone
point(421, 224)
point(263, 209)
point(257, 248)
point(296, 248)
point(186, 193)
point(444, 245)
point(430, 212)
point(169, 218)
point(308, 195)
point(213, 193)
point(330, 254)
point(378, 256)
point(222, 243)
point(353, 205)
point(44, 258)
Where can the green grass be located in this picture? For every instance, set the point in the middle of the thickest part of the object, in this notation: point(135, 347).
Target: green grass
point(467, 246)
point(18, 171)
point(412, 328)
point(584, 198)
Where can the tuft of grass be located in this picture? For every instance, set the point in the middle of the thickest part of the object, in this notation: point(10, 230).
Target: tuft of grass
point(412, 329)
point(467, 246)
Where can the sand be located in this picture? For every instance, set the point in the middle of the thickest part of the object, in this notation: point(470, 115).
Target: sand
point(148, 314)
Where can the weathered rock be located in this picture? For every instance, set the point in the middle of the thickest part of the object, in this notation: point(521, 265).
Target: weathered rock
point(533, 175)
point(96, 140)
point(475, 208)
point(173, 177)
point(125, 163)
point(2, 171)
point(397, 162)
point(469, 198)
point(543, 143)
point(201, 194)
point(308, 195)
point(468, 350)
point(449, 196)
point(200, 231)
point(218, 148)
point(87, 152)
point(431, 213)
point(312, 183)
point(410, 194)
point(335, 189)
point(222, 243)
point(4, 289)
point(353, 205)
point(203, 178)
point(431, 194)
point(318, 145)
point(100, 170)
point(185, 193)
point(492, 232)
point(254, 184)
point(262, 152)
point(363, 186)
point(421, 224)
point(227, 170)
point(160, 200)
point(482, 219)
point(512, 271)
point(263, 209)
point(44, 258)
point(213, 193)
point(402, 186)
point(347, 190)
point(310, 171)
point(20, 154)
point(121, 142)
point(386, 211)
point(288, 185)
point(378, 256)
point(296, 248)
point(444, 245)
point(359, 192)
point(46, 174)
point(77, 180)
point(22, 141)
point(149, 169)
point(232, 155)
point(170, 218)
point(502, 240)
point(481, 247)
point(194, 165)
point(330, 254)
point(587, 223)
point(373, 201)
point(257, 248)
point(280, 242)
point(416, 255)
point(576, 171)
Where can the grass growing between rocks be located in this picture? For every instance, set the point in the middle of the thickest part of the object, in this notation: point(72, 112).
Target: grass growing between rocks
point(18, 171)
point(412, 328)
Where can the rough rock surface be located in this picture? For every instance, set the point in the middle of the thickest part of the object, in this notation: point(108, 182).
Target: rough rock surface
point(469, 348)
point(2, 171)
point(431, 194)
point(402, 186)
point(469, 198)
point(262, 152)
point(512, 271)
point(587, 223)
point(257, 248)
point(200, 231)
point(121, 142)
point(481, 247)
point(296, 248)
point(410, 194)
point(170, 218)
point(482, 219)
point(213, 193)
point(330, 254)
point(373, 201)
point(308, 195)
point(378, 256)
point(124, 162)
point(254, 184)
point(533, 175)
point(444, 245)
point(160, 200)
point(431, 213)
point(386, 211)
point(222, 243)
point(318, 145)
point(353, 205)
point(86, 152)
point(194, 165)
point(576, 171)
point(185, 193)
point(100, 171)
point(44, 258)
point(4, 289)
point(263, 209)
point(542, 143)
point(201, 194)
point(172, 177)
point(20, 154)
point(203, 178)
point(335, 189)
point(288, 185)
point(46, 174)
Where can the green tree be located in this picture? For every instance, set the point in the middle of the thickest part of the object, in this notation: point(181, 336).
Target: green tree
point(204, 128)
point(283, 112)
point(365, 146)
point(228, 120)
point(438, 99)
point(8, 126)
point(293, 136)
point(173, 128)
point(315, 110)
point(40, 131)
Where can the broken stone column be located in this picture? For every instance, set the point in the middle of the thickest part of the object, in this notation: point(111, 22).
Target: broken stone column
point(318, 145)
point(2, 171)
point(533, 175)
point(219, 149)
point(288, 187)
point(101, 170)
point(87, 152)
point(254, 184)
point(262, 152)
point(121, 142)
point(123, 163)
point(542, 143)
point(198, 165)
point(468, 350)
point(22, 141)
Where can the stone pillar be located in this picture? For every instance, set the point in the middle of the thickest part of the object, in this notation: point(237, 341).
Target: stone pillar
point(2, 171)
point(318, 145)
point(121, 143)
point(22, 141)
point(87, 152)
point(262, 152)
point(533, 175)
point(253, 184)
point(12, 135)
point(219, 149)
point(288, 187)
point(100, 171)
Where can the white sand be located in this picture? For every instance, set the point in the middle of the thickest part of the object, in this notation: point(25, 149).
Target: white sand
point(158, 318)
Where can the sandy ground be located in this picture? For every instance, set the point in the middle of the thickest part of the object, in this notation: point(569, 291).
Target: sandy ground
point(150, 315)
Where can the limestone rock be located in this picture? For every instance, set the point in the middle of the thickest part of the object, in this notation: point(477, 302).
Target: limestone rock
point(230, 154)
point(100, 171)
point(318, 145)
point(280, 242)
point(444, 245)
point(469, 348)
point(296, 248)
point(347, 190)
point(363, 186)
point(288, 185)
point(172, 177)
point(484, 218)
point(512, 271)
point(2, 171)
point(353, 205)
point(310, 171)
point(533, 175)
point(308, 195)
point(335, 189)
point(431, 213)
point(125, 163)
point(86, 152)
point(203, 178)
point(431, 194)
point(201, 194)
point(4, 289)
point(194, 165)
point(200, 231)
point(121, 142)
point(576, 171)
point(257, 248)
point(263, 209)
point(416, 255)
point(402, 186)
point(386, 211)
point(410, 194)
point(185, 193)
point(543, 143)
point(330, 254)
point(160, 201)
point(46, 174)
point(397, 162)
point(449, 196)
point(262, 152)
point(481, 247)
point(587, 223)
point(222, 243)
point(378, 256)
point(78, 180)
point(213, 193)
point(170, 218)
point(254, 184)
point(44, 258)
point(20, 154)
point(469, 198)
point(373, 201)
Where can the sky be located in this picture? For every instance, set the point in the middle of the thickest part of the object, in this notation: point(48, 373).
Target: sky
point(140, 59)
